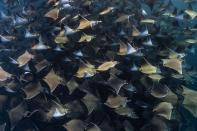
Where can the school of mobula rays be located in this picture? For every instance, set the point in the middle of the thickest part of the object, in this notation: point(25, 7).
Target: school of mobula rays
point(97, 65)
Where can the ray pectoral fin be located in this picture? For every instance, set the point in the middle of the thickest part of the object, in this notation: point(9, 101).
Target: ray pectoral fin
point(174, 64)
point(53, 80)
point(54, 13)
point(190, 100)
